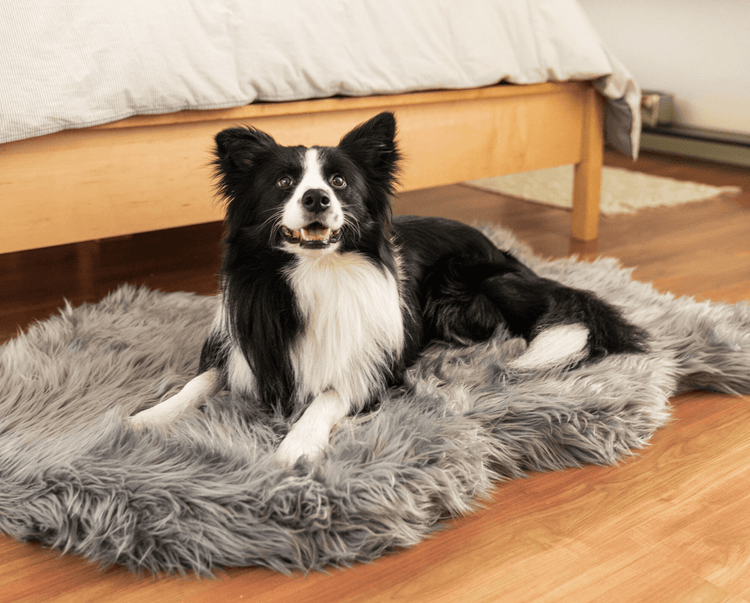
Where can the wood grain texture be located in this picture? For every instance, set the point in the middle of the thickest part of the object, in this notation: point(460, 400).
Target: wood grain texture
point(587, 179)
point(671, 524)
point(153, 172)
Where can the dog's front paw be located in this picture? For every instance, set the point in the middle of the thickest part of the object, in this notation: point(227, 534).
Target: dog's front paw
point(189, 398)
point(296, 445)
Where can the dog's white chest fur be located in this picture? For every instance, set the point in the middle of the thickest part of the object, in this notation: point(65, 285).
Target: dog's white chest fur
point(353, 324)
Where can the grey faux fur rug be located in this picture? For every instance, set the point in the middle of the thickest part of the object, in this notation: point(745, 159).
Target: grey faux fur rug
point(208, 495)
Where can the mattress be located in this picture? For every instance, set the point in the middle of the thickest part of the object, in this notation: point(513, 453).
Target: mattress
point(74, 64)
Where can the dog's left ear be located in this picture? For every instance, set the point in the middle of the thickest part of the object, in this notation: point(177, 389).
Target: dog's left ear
point(373, 144)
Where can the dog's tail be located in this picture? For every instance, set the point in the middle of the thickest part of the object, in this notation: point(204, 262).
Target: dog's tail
point(710, 343)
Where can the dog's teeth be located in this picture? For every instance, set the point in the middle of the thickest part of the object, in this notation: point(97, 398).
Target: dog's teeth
point(291, 235)
point(315, 234)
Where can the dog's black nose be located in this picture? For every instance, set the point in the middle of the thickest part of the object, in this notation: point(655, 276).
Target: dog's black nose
point(316, 200)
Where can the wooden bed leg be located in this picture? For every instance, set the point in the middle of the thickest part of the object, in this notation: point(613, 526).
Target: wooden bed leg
point(587, 181)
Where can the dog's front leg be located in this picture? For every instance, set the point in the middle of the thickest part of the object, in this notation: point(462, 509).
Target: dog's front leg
point(310, 434)
point(196, 392)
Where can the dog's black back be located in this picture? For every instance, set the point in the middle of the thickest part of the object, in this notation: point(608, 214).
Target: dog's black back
point(465, 288)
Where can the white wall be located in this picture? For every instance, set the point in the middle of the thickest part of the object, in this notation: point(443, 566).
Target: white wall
point(698, 50)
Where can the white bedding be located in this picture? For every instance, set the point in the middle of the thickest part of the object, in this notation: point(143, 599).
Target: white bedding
point(77, 63)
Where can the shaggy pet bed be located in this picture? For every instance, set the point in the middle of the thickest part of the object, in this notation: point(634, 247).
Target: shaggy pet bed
point(208, 495)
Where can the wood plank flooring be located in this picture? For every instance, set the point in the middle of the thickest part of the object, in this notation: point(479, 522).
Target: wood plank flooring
point(670, 524)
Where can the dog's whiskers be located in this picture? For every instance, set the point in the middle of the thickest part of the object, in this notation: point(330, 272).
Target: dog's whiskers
point(275, 218)
point(352, 223)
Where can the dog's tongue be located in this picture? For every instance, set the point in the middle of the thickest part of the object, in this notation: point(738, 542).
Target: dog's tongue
point(315, 233)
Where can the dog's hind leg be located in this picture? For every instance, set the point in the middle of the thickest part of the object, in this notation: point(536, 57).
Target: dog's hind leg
point(192, 396)
point(563, 326)
point(559, 345)
point(467, 300)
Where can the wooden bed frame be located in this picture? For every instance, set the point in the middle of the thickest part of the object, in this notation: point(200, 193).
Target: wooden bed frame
point(153, 172)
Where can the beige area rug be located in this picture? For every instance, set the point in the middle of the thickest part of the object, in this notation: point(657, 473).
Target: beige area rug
point(623, 191)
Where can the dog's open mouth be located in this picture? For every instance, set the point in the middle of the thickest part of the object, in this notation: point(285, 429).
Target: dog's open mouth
point(313, 236)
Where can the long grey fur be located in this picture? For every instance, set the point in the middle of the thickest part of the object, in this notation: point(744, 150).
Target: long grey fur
point(208, 494)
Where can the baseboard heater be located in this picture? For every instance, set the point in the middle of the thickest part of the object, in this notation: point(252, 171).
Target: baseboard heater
point(660, 134)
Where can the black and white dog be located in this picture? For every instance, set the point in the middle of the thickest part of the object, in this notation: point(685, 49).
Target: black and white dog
point(327, 298)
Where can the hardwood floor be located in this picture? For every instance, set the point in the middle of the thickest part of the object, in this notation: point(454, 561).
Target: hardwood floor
point(670, 524)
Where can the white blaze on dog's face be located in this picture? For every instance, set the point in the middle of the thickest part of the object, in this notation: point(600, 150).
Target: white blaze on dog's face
point(313, 215)
point(308, 202)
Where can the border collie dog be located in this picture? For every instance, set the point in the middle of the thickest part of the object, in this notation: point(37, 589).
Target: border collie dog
point(327, 298)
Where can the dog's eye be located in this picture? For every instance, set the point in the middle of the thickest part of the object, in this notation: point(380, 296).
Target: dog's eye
point(338, 181)
point(284, 182)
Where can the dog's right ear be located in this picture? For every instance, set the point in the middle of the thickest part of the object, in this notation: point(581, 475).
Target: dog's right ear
point(239, 148)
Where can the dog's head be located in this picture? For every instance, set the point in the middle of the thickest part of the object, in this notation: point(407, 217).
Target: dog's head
point(308, 200)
